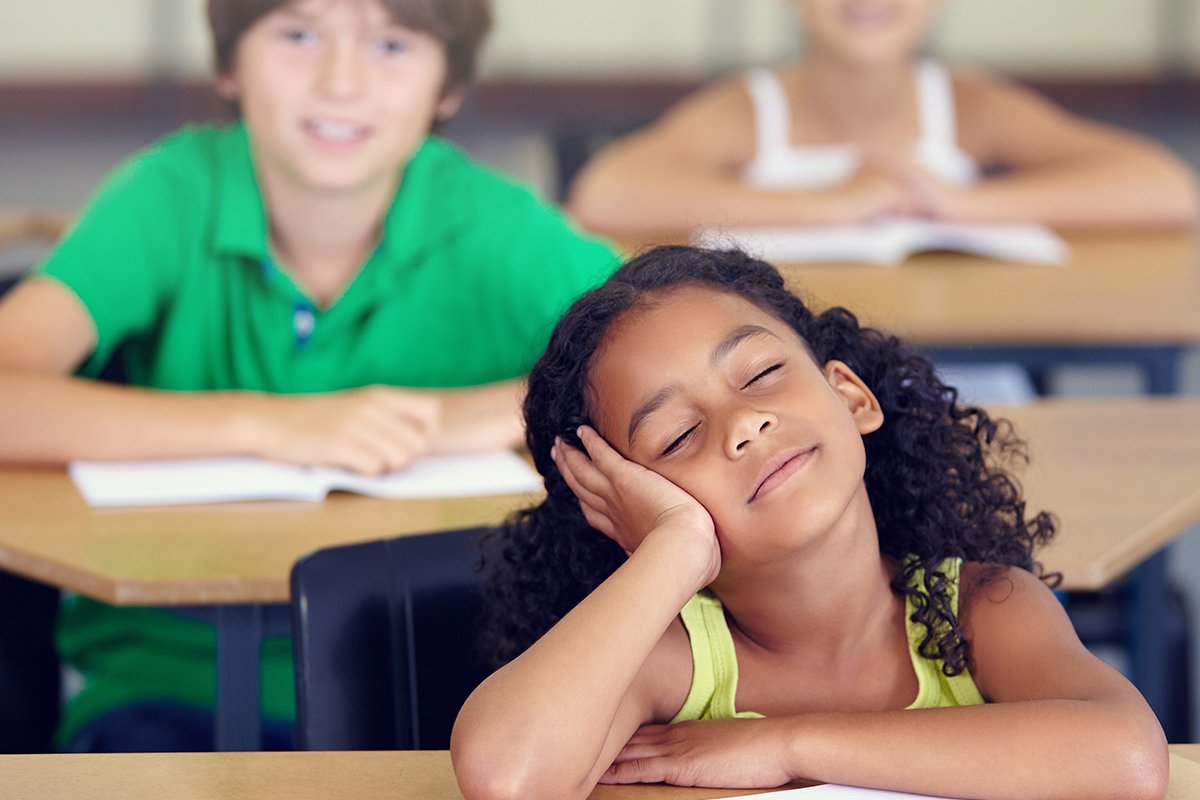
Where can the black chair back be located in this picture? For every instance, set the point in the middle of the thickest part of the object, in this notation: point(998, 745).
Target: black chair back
point(384, 636)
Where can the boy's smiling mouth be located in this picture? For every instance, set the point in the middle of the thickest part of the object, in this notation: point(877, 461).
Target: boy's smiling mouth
point(776, 471)
point(336, 132)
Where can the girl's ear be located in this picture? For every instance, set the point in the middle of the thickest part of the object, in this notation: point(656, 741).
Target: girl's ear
point(859, 399)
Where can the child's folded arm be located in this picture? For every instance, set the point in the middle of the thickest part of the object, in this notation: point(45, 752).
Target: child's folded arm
point(51, 417)
point(1063, 170)
point(683, 172)
point(549, 723)
point(1061, 725)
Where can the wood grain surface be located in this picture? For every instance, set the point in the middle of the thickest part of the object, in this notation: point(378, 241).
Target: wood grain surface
point(1122, 478)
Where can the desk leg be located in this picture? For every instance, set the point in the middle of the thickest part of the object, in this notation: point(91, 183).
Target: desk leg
point(1146, 633)
point(239, 636)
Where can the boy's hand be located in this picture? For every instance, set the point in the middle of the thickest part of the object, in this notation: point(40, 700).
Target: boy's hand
point(373, 430)
point(625, 501)
point(724, 753)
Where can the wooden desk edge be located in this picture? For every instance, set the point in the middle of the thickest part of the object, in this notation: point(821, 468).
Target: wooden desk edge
point(411, 775)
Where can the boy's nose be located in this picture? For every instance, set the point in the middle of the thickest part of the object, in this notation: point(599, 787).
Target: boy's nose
point(745, 427)
point(342, 73)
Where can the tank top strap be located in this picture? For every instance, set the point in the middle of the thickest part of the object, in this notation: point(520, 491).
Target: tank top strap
point(772, 112)
point(935, 103)
point(714, 662)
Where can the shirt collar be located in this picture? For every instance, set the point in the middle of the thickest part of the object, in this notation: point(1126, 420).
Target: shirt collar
point(241, 214)
point(429, 207)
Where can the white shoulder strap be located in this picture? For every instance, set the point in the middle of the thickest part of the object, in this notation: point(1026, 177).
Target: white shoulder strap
point(935, 101)
point(772, 113)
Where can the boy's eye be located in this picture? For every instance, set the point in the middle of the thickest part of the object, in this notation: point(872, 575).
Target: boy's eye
point(675, 445)
point(762, 374)
point(299, 35)
point(392, 46)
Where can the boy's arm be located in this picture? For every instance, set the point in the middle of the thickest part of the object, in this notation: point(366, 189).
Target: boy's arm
point(684, 172)
point(549, 723)
point(1061, 169)
point(46, 416)
point(1061, 724)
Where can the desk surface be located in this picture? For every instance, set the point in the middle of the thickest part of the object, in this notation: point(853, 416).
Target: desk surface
point(1123, 478)
point(411, 775)
point(1126, 288)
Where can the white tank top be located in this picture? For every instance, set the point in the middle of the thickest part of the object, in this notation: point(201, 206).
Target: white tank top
point(779, 164)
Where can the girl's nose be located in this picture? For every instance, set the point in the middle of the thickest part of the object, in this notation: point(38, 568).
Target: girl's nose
point(342, 72)
point(745, 427)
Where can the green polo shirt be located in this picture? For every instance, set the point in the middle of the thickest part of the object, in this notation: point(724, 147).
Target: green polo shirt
point(171, 258)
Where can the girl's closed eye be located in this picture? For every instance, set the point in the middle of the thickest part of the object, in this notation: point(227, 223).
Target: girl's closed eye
point(764, 373)
point(679, 441)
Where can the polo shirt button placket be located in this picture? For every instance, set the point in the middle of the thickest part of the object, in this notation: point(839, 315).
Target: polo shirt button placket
point(304, 322)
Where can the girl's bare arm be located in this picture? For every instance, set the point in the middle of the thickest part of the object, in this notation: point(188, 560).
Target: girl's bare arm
point(47, 416)
point(549, 723)
point(1062, 724)
point(1062, 169)
point(683, 172)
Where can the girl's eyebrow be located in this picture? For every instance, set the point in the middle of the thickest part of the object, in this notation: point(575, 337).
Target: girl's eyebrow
point(730, 343)
point(649, 407)
point(719, 354)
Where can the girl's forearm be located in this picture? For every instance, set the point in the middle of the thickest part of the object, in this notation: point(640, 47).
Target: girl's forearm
point(1146, 192)
point(1070, 749)
point(672, 199)
point(549, 723)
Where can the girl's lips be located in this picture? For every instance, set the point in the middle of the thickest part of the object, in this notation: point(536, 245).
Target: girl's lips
point(780, 470)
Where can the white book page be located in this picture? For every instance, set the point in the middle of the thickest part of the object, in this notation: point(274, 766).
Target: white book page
point(191, 480)
point(833, 791)
point(888, 242)
point(472, 475)
point(212, 480)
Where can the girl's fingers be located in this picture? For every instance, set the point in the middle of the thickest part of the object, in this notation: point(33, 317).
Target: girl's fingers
point(602, 453)
point(584, 470)
point(569, 472)
point(644, 770)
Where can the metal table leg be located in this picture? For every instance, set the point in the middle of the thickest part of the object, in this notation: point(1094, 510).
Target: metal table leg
point(239, 638)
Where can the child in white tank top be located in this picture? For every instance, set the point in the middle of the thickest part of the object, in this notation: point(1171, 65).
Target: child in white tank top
point(780, 164)
point(863, 128)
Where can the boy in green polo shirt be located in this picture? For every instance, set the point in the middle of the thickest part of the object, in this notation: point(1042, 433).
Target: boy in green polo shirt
point(270, 284)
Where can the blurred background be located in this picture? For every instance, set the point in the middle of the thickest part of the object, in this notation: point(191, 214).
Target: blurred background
point(84, 83)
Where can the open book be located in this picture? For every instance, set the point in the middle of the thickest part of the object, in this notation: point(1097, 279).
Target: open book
point(210, 480)
point(890, 241)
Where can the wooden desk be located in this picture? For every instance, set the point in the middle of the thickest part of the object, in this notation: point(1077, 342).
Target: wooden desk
point(223, 553)
point(1125, 296)
point(1122, 477)
point(230, 563)
point(404, 775)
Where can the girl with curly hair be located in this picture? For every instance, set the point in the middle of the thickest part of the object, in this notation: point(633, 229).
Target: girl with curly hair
point(769, 536)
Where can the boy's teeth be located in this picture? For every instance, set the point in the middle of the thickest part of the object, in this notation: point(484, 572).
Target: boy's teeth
point(337, 130)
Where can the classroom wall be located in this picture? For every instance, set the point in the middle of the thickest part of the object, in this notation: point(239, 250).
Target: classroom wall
point(105, 40)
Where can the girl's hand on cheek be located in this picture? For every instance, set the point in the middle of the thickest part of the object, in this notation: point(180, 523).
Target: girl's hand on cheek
point(724, 753)
point(626, 502)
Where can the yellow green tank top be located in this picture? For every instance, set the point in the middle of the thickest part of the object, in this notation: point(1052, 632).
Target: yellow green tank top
point(715, 670)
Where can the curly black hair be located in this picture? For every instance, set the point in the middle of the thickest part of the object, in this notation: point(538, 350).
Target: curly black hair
point(935, 470)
